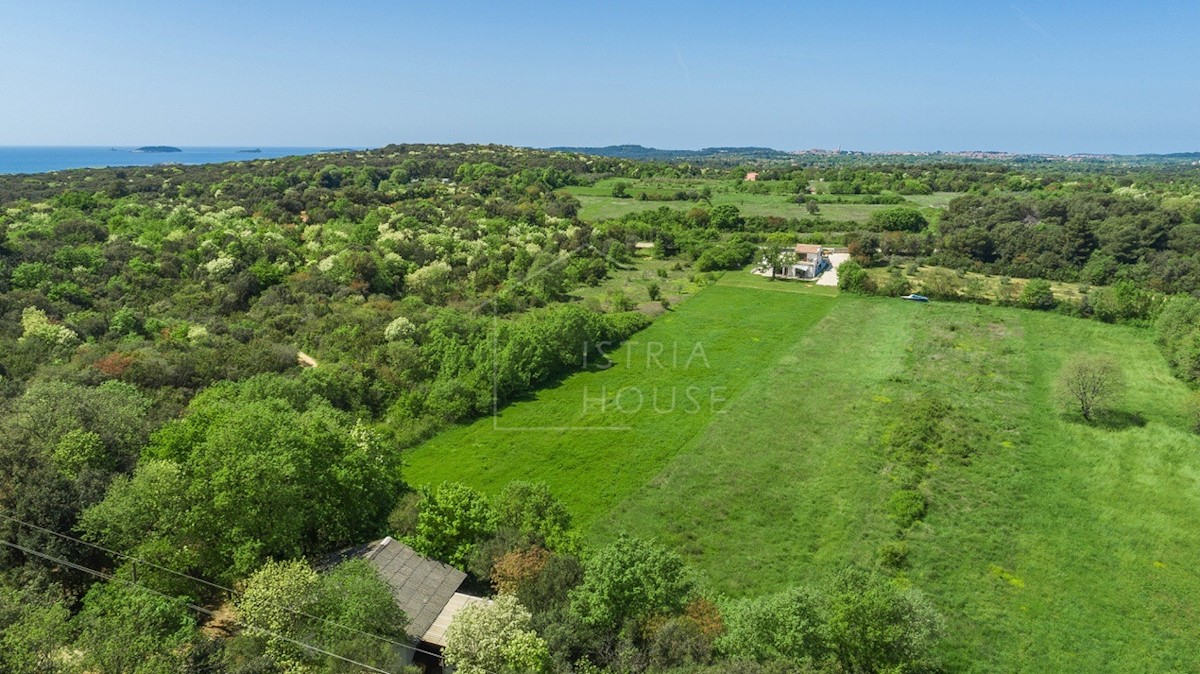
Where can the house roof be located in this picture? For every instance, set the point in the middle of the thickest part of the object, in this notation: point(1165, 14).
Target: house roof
point(422, 587)
point(808, 248)
point(436, 634)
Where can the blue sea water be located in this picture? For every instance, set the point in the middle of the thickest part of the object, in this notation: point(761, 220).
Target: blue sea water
point(31, 159)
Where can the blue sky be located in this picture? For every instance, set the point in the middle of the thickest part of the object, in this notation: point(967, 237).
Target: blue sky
point(1022, 76)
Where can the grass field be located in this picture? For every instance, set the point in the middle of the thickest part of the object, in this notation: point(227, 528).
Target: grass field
point(604, 207)
point(1055, 546)
point(972, 283)
point(675, 283)
point(599, 204)
point(573, 462)
point(935, 200)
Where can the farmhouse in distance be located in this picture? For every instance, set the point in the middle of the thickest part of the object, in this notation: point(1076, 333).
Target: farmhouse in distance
point(807, 261)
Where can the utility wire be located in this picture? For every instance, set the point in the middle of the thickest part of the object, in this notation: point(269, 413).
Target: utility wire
point(138, 560)
point(111, 578)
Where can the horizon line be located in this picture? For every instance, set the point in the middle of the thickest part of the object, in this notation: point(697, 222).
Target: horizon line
point(796, 151)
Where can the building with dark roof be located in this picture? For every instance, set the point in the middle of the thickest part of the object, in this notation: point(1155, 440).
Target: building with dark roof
point(426, 590)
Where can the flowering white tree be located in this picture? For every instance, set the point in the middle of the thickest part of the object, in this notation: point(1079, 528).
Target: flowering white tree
point(399, 328)
point(495, 637)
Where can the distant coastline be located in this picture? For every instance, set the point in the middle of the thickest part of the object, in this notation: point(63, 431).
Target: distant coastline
point(45, 159)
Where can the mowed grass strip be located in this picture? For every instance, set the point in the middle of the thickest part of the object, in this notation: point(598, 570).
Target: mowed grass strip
point(663, 388)
point(786, 484)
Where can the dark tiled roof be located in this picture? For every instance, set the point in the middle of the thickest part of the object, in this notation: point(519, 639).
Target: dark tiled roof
point(421, 586)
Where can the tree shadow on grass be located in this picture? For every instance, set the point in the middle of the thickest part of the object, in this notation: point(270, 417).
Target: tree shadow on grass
point(1118, 420)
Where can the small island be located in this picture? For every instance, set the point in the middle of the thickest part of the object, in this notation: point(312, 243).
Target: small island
point(254, 151)
point(157, 148)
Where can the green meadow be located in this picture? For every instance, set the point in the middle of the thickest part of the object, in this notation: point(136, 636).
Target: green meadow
point(935, 200)
point(595, 454)
point(1048, 544)
point(598, 203)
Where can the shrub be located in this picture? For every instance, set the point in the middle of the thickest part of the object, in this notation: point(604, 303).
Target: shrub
point(624, 324)
point(403, 519)
point(1006, 292)
point(974, 291)
point(347, 599)
point(921, 431)
point(550, 588)
point(122, 629)
point(1192, 412)
point(901, 219)
point(629, 581)
point(34, 630)
point(784, 626)
point(1122, 301)
point(873, 625)
point(678, 642)
point(893, 554)
point(1037, 295)
point(730, 255)
point(896, 286)
point(70, 291)
point(1178, 335)
point(940, 284)
point(79, 450)
point(852, 278)
point(863, 247)
point(530, 509)
point(907, 506)
point(114, 364)
point(619, 301)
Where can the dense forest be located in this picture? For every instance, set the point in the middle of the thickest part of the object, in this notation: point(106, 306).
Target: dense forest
point(167, 462)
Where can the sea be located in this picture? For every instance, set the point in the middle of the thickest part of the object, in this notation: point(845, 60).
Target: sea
point(32, 159)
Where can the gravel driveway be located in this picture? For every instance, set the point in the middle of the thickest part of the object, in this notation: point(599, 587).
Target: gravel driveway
point(829, 278)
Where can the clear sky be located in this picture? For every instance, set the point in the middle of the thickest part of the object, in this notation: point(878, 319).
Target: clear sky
point(1022, 76)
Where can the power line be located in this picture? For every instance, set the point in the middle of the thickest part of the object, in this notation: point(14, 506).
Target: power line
point(231, 591)
point(217, 586)
point(111, 578)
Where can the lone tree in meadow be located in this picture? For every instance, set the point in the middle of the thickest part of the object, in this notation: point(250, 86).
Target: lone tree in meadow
point(1093, 383)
